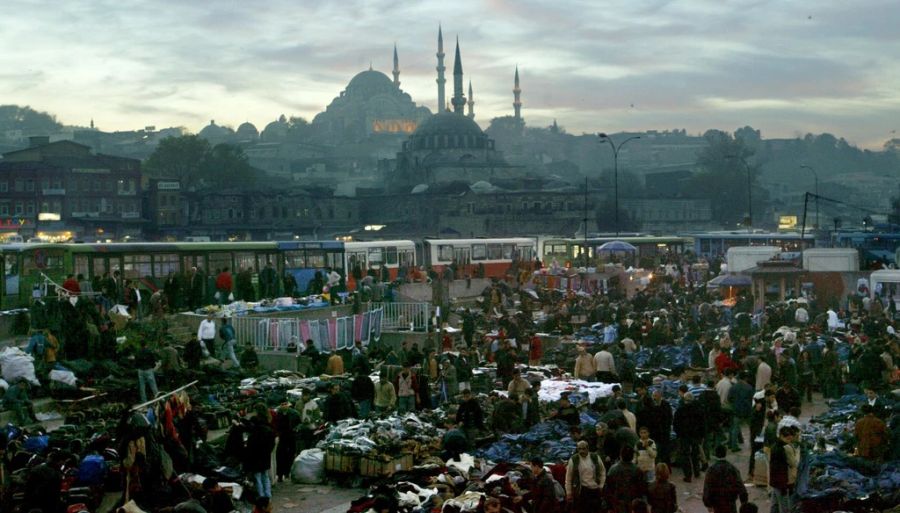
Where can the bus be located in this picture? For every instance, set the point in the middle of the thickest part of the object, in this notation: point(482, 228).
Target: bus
point(494, 256)
point(876, 248)
point(715, 244)
point(398, 256)
point(566, 250)
point(26, 268)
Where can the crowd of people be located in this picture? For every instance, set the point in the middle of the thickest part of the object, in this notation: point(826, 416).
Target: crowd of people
point(747, 379)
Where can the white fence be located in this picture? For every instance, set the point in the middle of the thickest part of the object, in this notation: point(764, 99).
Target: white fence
point(275, 333)
point(399, 316)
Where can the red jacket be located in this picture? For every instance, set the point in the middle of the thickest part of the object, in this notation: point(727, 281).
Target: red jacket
point(723, 361)
point(72, 286)
point(535, 350)
point(223, 281)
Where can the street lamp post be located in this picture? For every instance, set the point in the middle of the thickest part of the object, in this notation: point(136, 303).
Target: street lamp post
point(615, 149)
point(749, 190)
point(816, 176)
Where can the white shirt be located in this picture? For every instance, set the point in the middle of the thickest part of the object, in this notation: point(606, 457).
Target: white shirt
point(207, 330)
point(763, 375)
point(604, 362)
point(722, 388)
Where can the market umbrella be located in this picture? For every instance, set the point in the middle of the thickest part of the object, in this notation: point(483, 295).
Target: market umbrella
point(617, 245)
point(729, 280)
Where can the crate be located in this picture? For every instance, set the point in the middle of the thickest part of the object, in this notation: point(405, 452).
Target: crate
point(381, 467)
point(336, 461)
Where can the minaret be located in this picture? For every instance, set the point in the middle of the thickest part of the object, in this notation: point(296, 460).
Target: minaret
point(517, 103)
point(458, 101)
point(440, 72)
point(396, 68)
point(471, 102)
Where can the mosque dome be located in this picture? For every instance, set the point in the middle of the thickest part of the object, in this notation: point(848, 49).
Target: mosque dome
point(369, 83)
point(448, 131)
point(482, 187)
point(212, 131)
point(247, 130)
point(276, 130)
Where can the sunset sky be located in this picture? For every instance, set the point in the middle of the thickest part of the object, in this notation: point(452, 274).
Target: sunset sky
point(786, 68)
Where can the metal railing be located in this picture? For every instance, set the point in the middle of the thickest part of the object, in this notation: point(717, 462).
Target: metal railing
point(399, 316)
point(329, 334)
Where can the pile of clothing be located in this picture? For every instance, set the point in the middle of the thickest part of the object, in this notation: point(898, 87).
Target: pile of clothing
point(376, 437)
point(550, 440)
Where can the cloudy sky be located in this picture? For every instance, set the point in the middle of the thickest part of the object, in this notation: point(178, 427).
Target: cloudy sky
point(784, 67)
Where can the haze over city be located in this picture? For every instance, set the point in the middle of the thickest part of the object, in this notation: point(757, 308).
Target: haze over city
point(784, 68)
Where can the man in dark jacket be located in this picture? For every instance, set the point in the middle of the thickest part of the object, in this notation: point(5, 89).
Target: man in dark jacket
point(469, 415)
point(258, 454)
point(624, 482)
point(566, 412)
point(723, 485)
point(337, 405)
point(740, 397)
point(658, 419)
point(543, 491)
point(42, 486)
point(710, 406)
point(689, 433)
point(780, 463)
point(362, 390)
point(145, 361)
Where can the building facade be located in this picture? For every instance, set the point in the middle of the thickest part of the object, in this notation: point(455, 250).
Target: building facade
point(62, 190)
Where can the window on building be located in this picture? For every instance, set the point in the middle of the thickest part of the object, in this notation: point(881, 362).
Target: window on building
point(20, 208)
point(56, 184)
point(45, 183)
point(20, 185)
point(4, 209)
point(4, 186)
point(29, 185)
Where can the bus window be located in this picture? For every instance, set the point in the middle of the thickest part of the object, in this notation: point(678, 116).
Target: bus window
point(41, 260)
point(526, 253)
point(390, 255)
point(137, 266)
point(376, 256)
point(494, 251)
point(294, 260)
point(335, 261)
point(479, 252)
point(163, 264)
point(246, 261)
point(315, 259)
point(218, 261)
point(11, 274)
point(406, 257)
point(445, 253)
point(508, 250)
point(82, 265)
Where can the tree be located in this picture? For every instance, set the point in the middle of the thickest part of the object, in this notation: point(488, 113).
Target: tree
point(227, 165)
point(179, 158)
point(28, 120)
point(724, 164)
point(191, 160)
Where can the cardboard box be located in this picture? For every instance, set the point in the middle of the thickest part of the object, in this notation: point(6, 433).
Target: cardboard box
point(378, 466)
point(336, 461)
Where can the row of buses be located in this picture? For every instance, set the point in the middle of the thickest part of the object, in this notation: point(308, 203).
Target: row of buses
point(26, 266)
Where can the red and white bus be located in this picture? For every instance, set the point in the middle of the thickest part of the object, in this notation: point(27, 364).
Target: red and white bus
point(392, 254)
point(470, 255)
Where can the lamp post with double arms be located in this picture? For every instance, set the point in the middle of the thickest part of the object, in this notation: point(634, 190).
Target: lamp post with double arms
point(615, 149)
point(816, 176)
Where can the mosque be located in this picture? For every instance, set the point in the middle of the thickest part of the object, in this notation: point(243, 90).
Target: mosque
point(449, 146)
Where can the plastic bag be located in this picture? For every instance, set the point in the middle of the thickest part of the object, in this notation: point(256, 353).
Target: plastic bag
point(63, 376)
point(309, 467)
point(15, 364)
point(92, 470)
point(230, 296)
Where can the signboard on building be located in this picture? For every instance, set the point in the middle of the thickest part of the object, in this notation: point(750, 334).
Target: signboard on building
point(168, 186)
point(14, 223)
point(90, 171)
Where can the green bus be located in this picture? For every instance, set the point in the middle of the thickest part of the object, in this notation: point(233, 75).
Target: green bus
point(27, 267)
